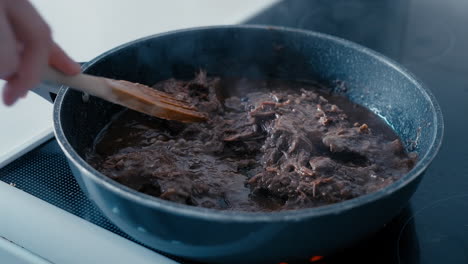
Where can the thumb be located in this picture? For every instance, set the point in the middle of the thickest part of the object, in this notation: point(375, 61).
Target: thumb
point(62, 62)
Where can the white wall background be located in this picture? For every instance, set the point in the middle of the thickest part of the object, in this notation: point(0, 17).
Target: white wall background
point(86, 28)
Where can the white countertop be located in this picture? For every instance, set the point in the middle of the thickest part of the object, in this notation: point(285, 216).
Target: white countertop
point(87, 28)
point(56, 236)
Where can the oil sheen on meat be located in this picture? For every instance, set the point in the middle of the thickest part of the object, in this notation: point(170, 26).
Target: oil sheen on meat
point(267, 146)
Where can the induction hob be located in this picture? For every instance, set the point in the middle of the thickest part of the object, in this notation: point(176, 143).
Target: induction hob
point(430, 38)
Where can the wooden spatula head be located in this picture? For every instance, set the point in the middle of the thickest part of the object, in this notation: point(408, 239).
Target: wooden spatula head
point(145, 99)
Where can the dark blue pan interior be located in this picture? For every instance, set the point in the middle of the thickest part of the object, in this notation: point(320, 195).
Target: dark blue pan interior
point(370, 81)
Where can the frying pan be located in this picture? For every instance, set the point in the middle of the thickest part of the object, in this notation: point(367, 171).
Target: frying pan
point(207, 235)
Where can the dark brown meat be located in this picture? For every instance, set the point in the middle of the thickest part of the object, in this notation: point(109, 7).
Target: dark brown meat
point(286, 145)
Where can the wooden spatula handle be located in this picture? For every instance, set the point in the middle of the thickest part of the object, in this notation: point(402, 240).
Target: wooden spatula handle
point(131, 95)
point(93, 85)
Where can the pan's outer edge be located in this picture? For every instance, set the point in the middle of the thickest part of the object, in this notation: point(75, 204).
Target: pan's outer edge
point(249, 217)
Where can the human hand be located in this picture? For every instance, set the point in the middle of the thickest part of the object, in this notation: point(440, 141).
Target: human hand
point(26, 47)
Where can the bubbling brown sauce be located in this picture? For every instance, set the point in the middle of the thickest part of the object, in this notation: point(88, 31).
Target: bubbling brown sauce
point(267, 146)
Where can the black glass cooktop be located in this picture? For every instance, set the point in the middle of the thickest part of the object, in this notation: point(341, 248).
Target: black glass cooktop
point(427, 36)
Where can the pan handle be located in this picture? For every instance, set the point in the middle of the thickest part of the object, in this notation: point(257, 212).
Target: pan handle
point(48, 90)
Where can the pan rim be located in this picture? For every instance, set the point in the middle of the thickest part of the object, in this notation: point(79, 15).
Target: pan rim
point(257, 217)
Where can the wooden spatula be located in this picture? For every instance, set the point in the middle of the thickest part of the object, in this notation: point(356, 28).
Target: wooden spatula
point(135, 96)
